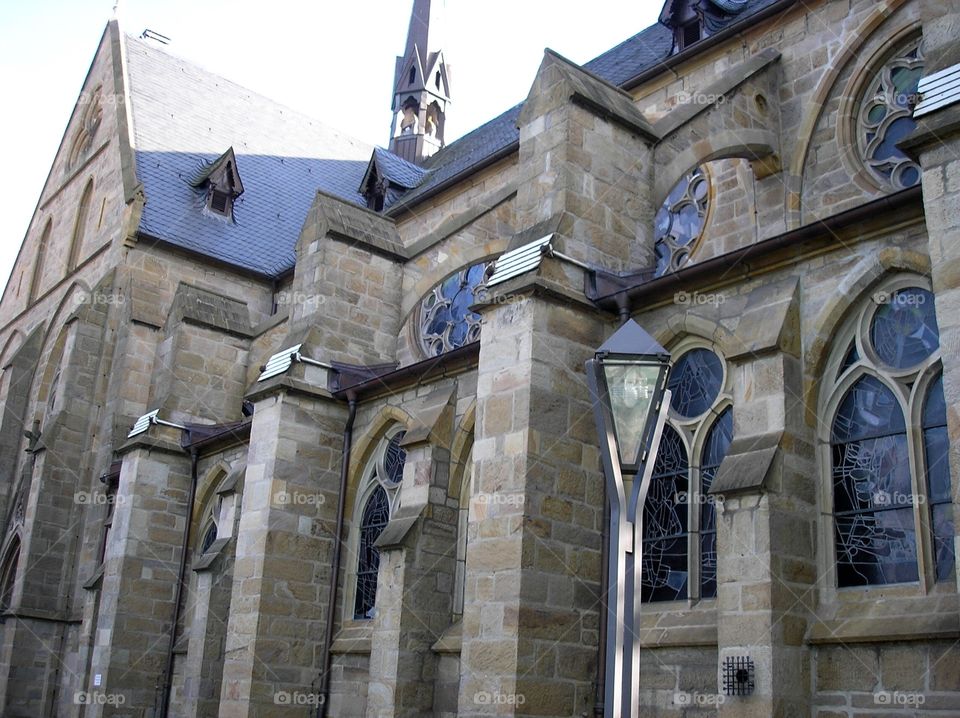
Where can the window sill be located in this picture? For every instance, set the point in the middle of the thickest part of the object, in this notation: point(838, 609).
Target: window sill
point(677, 624)
point(354, 637)
point(887, 615)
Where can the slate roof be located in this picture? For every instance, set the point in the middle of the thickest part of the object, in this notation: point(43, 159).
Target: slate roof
point(185, 117)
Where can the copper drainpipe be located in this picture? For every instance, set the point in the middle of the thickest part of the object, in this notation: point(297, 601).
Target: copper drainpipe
point(335, 564)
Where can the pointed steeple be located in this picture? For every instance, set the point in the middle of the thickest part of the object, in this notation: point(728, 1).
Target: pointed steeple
point(421, 88)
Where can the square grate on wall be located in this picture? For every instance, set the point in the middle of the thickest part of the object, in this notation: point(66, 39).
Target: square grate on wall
point(738, 678)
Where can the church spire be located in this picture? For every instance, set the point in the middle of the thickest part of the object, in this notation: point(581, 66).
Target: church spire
point(421, 87)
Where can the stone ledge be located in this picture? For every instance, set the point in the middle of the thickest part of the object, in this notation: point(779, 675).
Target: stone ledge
point(451, 641)
point(876, 629)
point(355, 637)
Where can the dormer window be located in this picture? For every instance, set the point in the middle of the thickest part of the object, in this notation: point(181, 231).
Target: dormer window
point(220, 202)
point(689, 34)
point(222, 183)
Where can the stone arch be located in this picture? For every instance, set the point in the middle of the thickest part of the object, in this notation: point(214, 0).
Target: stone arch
point(459, 260)
point(206, 490)
point(365, 445)
point(709, 330)
point(53, 344)
point(868, 272)
point(460, 450)
point(821, 95)
point(745, 143)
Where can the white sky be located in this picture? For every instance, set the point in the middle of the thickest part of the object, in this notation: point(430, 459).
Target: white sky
point(333, 59)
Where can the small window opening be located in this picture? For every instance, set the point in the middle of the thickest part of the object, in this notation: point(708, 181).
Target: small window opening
point(413, 75)
point(437, 79)
point(220, 202)
point(689, 34)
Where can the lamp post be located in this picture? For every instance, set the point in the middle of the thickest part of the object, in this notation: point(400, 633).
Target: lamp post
point(627, 379)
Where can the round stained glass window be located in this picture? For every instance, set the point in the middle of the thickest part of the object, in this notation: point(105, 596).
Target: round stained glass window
point(904, 329)
point(680, 221)
point(886, 117)
point(695, 382)
point(446, 321)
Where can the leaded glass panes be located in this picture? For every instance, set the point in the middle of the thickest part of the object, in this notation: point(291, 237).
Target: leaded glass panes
point(935, 445)
point(394, 458)
point(885, 475)
point(376, 513)
point(904, 330)
point(209, 537)
point(445, 321)
point(680, 221)
point(665, 571)
point(715, 448)
point(679, 519)
point(695, 382)
point(886, 118)
point(872, 489)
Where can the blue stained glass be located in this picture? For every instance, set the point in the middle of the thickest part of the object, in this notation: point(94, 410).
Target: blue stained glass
point(394, 459)
point(446, 321)
point(695, 382)
point(664, 568)
point(714, 450)
point(680, 221)
point(904, 331)
point(936, 444)
point(872, 489)
point(376, 514)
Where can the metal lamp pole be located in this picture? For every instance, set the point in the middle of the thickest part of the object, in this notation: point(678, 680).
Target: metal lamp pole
point(627, 379)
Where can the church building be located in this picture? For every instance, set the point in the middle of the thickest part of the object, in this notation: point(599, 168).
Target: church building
point(296, 426)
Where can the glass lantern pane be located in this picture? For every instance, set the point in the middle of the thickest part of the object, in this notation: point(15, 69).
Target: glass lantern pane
point(631, 388)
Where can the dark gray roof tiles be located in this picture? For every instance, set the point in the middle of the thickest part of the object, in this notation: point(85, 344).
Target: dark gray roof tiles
point(185, 117)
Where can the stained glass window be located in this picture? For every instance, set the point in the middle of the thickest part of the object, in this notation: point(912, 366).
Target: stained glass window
point(376, 513)
point(881, 472)
point(936, 444)
point(715, 448)
point(394, 458)
point(680, 221)
point(209, 537)
point(678, 502)
point(665, 571)
point(445, 319)
point(904, 330)
point(886, 117)
point(872, 489)
point(695, 382)
point(382, 480)
point(9, 576)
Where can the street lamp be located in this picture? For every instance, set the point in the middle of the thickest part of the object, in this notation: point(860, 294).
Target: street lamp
point(628, 380)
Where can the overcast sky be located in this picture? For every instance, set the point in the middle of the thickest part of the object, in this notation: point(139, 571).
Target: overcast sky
point(330, 59)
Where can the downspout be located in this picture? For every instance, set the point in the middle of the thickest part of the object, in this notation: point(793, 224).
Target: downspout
point(326, 654)
point(168, 668)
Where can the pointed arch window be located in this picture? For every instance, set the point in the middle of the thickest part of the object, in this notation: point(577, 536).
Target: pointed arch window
point(679, 516)
point(79, 226)
point(8, 576)
point(36, 277)
point(890, 485)
point(378, 495)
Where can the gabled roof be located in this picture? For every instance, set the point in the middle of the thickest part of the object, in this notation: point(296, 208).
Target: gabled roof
point(184, 117)
point(223, 172)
